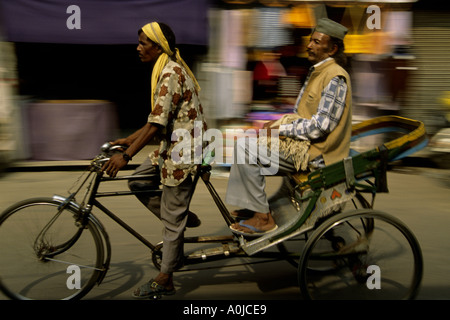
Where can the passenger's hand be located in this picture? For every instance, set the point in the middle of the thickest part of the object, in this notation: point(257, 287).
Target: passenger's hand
point(114, 165)
point(268, 126)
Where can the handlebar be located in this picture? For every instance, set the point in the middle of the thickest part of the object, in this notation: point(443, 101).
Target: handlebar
point(107, 151)
point(108, 147)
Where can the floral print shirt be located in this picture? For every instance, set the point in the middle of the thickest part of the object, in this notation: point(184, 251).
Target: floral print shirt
point(179, 111)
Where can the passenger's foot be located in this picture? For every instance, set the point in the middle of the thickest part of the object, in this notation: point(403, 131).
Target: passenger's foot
point(243, 214)
point(259, 224)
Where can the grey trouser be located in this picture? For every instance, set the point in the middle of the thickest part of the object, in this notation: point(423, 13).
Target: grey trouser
point(247, 182)
point(171, 207)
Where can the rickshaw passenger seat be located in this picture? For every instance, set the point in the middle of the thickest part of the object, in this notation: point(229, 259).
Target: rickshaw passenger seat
point(301, 177)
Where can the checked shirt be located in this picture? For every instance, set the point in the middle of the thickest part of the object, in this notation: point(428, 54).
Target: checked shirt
point(329, 111)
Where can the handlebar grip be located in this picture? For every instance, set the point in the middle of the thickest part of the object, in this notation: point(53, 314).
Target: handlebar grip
point(107, 147)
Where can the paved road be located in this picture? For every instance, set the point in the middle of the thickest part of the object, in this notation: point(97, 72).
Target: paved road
point(418, 196)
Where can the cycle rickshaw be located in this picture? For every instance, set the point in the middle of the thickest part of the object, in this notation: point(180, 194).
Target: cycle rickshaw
point(328, 229)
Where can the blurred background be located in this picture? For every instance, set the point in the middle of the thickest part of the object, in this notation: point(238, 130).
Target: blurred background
point(71, 79)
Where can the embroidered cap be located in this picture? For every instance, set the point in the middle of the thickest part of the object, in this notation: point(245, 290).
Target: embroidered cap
point(331, 28)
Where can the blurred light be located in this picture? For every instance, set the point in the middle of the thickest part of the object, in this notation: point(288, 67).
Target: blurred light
point(301, 16)
point(345, 2)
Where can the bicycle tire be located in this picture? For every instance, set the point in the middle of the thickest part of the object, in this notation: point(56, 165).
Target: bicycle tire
point(387, 247)
point(63, 263)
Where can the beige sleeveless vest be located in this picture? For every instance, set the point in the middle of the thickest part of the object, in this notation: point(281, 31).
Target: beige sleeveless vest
point(336, 145)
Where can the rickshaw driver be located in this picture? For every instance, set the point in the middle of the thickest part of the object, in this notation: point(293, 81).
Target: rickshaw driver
point(324, 110)
point(175, 104)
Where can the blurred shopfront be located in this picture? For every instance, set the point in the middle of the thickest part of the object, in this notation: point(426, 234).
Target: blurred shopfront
point(8, 90)
point(398, 57)
point(248, 55)
point(257, 56)
point(78, 85)
point(428, 84)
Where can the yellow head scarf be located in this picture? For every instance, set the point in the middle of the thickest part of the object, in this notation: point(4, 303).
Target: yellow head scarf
point(153, 32)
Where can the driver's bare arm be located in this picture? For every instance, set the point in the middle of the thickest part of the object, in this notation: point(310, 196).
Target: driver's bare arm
point(138, 140)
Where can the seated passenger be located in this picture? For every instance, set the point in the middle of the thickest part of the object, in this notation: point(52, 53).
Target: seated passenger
point(321, 124)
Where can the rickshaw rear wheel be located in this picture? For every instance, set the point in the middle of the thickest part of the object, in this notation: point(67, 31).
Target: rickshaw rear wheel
point(382, 260)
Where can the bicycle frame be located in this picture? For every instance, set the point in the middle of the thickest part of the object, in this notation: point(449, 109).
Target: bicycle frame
point(93, 202)
point(95, 194)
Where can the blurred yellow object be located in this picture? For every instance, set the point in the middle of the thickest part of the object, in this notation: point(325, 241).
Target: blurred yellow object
point(371, 43)
point(445, 99)
point(301, 16)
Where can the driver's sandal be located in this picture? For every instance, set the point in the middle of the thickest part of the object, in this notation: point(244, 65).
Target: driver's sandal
point(152, 290)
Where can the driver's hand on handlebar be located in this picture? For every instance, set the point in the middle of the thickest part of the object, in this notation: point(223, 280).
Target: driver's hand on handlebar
point(114, 165)
point(123, 142)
